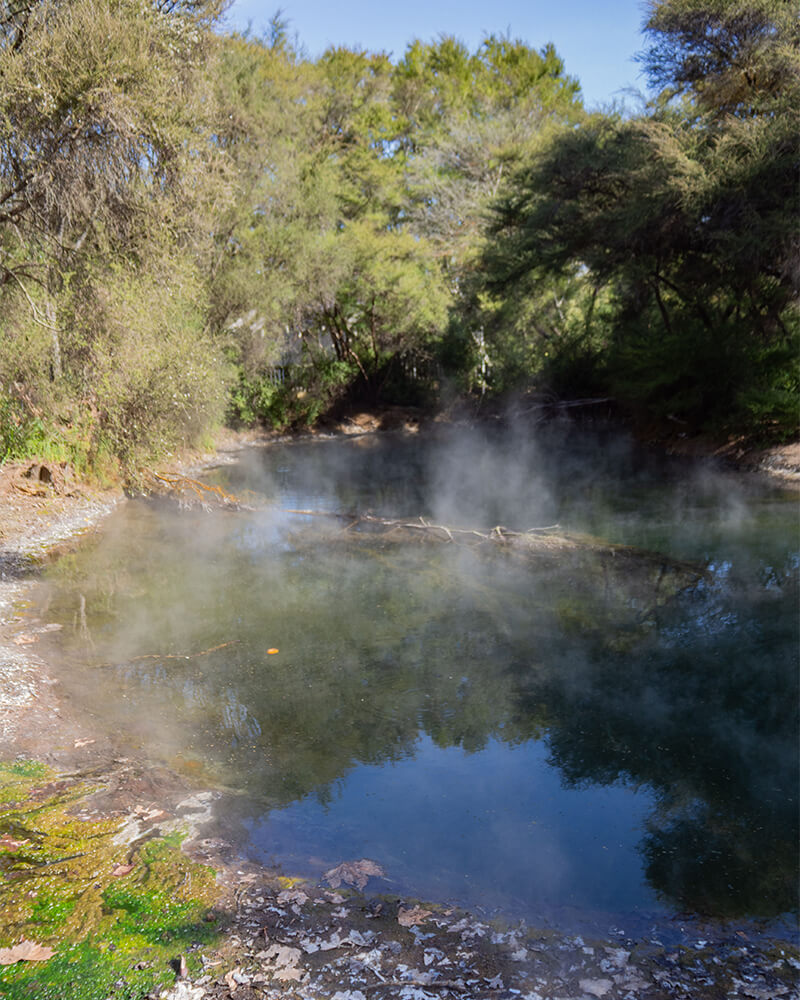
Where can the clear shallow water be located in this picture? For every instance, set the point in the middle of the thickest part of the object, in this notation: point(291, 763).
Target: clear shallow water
point(542, 737)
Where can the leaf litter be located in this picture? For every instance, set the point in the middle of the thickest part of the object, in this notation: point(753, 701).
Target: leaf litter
point(287, 938)
point(355, 873)
point(290, 940)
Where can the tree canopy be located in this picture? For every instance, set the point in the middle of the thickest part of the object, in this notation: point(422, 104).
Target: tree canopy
point(184, 212)
point(685, 215)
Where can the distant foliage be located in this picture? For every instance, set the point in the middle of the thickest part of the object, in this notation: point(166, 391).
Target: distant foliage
point(364, 190)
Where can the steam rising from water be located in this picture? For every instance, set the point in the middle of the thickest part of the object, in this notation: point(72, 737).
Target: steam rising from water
point(439, 683)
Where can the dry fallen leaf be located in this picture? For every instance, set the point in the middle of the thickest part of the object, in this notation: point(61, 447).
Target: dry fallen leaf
point(148, 813)
point(356, 873)
point(8, 843)
point(230, 982)
point(292, 896)
point(283, 956)
point(596, 987)
point(25, 951)
point(413, 916)
point(82, 743)
point(288, 973)
point(25, 640)
point(119, 870)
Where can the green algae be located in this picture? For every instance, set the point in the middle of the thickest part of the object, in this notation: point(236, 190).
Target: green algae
point(116, 915)
point(17, 776)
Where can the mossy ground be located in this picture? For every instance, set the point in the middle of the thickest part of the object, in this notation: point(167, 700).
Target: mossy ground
point(62, 885)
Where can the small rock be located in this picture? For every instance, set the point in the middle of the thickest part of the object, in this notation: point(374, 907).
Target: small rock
point(182, 990)
point(595, 987)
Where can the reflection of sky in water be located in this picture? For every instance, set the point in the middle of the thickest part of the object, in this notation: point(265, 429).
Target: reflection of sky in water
point(490, 827)
point(600, 720)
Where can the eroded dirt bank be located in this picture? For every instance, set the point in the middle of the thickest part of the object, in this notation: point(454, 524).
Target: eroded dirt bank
point(103, 829)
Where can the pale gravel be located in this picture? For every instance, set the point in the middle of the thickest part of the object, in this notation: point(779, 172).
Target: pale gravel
point(23, 674)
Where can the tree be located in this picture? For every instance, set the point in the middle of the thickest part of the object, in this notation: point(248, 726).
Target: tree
point(470, 121)
point(478, 122)
point(734, 57)
point(314, 264)
point(681, 213)
point(106, 171)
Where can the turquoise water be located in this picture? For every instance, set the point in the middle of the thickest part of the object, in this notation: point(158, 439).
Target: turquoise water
point(542, 737)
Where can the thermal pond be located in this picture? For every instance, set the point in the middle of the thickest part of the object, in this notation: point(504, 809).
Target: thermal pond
point(571, 735)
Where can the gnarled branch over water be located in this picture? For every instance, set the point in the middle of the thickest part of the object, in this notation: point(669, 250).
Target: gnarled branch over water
point(637, 574)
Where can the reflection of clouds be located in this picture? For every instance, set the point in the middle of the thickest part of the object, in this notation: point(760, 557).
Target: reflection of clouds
point(486, 827)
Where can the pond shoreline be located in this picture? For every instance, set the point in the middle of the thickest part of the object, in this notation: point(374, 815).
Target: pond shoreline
point(707, 960)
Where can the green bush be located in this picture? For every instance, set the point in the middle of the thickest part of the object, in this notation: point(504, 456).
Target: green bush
point(138, 356)
point(723, 380)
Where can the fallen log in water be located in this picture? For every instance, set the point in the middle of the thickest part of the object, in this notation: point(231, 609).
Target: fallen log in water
point(637, 576)
point(189, 493)
point(421, 529)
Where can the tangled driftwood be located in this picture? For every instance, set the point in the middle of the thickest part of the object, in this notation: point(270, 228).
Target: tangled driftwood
point(636, 577)
point(420, 528)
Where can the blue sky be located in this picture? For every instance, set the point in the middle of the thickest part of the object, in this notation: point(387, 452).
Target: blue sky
point(596, 40)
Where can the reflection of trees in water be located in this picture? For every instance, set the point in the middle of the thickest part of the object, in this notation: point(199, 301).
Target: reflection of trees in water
point(711, 727)
point(379, 645)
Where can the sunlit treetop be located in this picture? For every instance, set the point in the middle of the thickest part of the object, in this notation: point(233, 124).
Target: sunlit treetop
point(731, 56)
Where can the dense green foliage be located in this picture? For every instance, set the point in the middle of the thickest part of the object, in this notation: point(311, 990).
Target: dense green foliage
point(107, 181)
point(192, 221)
point(683, 219)
point(363, 188)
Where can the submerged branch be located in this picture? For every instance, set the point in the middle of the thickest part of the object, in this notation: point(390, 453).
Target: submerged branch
point(189, 492)
point(171, 656)
point(633, 568)
point(385, 525)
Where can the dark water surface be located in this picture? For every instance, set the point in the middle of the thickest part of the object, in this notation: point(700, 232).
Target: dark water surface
point(543, 737)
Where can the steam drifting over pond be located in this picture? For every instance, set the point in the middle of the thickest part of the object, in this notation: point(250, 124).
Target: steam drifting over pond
point(543, 735)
